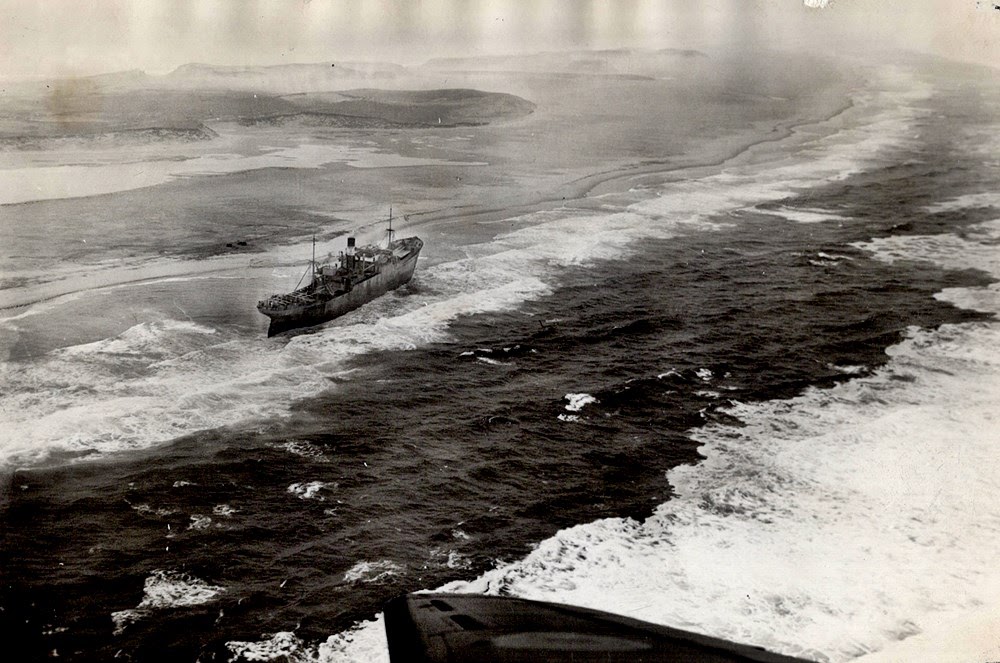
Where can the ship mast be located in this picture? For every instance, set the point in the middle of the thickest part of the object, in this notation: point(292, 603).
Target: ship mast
point(389, 232)
point(312, 262)
point(312, 268)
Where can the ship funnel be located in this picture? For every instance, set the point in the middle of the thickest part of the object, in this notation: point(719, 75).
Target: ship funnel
point(350, 246)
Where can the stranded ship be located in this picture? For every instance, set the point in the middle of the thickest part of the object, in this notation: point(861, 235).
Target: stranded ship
point(357, 276)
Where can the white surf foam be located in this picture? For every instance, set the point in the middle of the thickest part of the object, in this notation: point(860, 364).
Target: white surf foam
point(975, 248)
point(365, 642)
point(984, 199)
point(283, 645)
point(829, 526)
point(578, 401)
point(153, 383)
point(311, 490)
point(957, 637)
point(372, 572)
point(165, 590)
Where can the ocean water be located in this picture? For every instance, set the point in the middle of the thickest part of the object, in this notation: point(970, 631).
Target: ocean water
point(755, 401)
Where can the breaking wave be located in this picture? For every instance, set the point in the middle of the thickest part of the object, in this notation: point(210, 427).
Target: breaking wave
point(835, 524)
point(159, 381)
point(166, 590)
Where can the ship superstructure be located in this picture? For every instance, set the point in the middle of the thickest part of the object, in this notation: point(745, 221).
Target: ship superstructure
point(358, 275)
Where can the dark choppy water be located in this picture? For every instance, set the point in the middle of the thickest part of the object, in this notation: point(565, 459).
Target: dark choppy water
point(546, 383)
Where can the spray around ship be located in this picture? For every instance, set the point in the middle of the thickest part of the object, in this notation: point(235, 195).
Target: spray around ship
point(356, 277)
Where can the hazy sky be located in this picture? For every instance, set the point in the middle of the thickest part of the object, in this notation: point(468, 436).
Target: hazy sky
point(74, 37)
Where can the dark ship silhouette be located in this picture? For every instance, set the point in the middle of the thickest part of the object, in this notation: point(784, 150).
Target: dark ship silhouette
point(471, 628)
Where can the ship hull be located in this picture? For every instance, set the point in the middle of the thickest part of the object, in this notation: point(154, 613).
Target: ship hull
point(390, 278)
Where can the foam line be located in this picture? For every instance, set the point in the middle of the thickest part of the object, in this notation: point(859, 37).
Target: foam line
point(829, 525)
point(832, 525)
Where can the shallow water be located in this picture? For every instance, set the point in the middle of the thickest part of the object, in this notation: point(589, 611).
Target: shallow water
point(32, 175)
